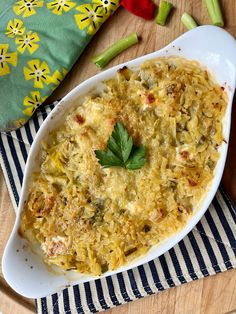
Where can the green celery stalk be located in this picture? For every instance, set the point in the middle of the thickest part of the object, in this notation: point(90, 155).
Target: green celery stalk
point(188, 21)
point(214, 12)
point(163, 12)
point(104, 57)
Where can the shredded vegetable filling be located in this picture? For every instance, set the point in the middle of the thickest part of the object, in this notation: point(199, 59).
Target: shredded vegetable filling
point(91, 219)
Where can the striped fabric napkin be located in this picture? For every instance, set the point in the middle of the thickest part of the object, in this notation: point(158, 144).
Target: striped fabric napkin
point(208, 249)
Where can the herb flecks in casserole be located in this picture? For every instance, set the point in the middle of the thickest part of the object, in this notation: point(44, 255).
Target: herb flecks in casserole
point(90, 218)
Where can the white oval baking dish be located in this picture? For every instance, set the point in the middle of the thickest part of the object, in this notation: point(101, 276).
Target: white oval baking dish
point(24, 270)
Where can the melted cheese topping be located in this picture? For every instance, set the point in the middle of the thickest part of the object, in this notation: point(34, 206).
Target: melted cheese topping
point(93, 219)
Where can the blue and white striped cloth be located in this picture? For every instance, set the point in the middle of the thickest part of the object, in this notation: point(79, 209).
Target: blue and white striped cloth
point(208, 249)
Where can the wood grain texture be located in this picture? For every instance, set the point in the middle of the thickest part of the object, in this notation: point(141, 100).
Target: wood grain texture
point(212, 295)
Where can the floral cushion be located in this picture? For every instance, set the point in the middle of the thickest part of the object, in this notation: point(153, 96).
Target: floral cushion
point(39, 42)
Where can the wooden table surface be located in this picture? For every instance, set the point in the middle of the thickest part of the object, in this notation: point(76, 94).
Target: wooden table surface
point(215, 294)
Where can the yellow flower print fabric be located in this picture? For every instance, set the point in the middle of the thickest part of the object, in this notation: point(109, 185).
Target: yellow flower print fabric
point(28, 41)
point(89, 17)
point(39, 42)
point(60, 6)
point(32, 102)
point(15, 28)
point(27, 7)
point(7, 58)
point(39, 72)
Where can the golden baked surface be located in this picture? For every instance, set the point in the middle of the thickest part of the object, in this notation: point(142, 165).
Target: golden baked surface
point(92, 219)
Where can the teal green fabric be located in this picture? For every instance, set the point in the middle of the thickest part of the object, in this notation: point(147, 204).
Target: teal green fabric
point(39, 42)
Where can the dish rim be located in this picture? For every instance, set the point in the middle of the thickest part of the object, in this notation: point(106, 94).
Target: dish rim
point(86, 85)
